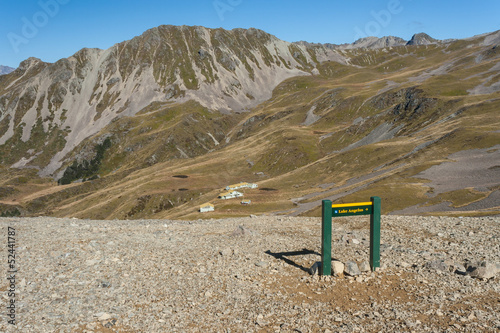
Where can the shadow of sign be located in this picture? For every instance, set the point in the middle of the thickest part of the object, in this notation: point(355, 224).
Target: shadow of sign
point(284, 256)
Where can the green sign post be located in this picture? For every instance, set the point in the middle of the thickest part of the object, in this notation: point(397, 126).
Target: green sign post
point(329, 211)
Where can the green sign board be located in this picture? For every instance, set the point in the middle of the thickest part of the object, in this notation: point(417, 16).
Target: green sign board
point(360, 208)
point(329, 211)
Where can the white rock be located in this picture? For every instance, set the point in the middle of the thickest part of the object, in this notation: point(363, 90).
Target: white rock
point(337, 268)
point(226, 252)
point(101, 316)
point(91, 262)
point(485, 271)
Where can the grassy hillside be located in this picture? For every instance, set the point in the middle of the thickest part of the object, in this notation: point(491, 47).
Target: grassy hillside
point(370, 127)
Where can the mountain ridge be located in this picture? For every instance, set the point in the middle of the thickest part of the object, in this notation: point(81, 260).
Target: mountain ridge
point(196, 101)
point(6, 70)
point(80, 74)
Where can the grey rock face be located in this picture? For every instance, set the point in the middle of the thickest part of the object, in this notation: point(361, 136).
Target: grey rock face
point(6, 70)
point(421, 39)
point(376, 43)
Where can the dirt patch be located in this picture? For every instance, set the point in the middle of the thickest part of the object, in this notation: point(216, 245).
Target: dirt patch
point(346, 293)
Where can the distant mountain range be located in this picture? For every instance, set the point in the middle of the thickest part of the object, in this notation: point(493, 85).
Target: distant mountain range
point(221, 106)
point(6, 70)
point(387, 41)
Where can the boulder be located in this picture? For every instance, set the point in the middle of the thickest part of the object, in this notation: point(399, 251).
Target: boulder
point(337, 268)
point(314, 270)
point(351, 268)
point(485, 271)
point(364, 266)
point(438, 265)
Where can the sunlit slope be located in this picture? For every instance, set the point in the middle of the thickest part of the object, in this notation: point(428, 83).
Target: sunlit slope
point(384, 124)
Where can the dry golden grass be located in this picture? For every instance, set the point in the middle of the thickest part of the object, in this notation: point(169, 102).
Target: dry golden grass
point(295, 159)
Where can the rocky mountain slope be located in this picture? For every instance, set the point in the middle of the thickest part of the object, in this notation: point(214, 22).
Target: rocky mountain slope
point(119, 127)
point(74, 98)
point(252, 275)
point(422, 39)
point(6, 70)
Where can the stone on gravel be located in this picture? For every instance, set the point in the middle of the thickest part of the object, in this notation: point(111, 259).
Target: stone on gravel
point(261, 264)
point(438, 265)
point(101, 316)
point(351, 268)
point(260, 320)
point(460, 269)
point(242, 231)
point(364, 266)
point(226, 252)
point(315, 268)
point(337, 268)
point(131, 276)
point(484, 271)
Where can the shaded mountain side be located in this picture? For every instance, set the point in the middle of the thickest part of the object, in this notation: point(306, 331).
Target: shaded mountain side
point(368, 124)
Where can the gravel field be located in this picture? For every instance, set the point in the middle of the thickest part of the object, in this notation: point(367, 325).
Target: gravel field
point(438, 274)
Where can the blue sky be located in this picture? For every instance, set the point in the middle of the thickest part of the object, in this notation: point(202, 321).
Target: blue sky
point(54, 29)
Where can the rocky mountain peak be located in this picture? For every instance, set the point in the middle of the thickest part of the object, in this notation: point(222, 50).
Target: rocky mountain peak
point(370, 42)
point(492, 38)
point(28, 63)
point(188, 110)
point(6, 70)
point(422, 39)
point(222, 70)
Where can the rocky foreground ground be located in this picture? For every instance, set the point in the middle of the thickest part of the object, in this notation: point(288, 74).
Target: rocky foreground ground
point(249, 275)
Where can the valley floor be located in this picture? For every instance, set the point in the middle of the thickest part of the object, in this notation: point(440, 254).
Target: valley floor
point(247, 275)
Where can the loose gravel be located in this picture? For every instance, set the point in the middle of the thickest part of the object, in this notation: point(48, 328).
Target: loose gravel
point(250, 275)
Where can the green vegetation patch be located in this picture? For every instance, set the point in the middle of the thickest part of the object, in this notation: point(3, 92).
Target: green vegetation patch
point(10, 213)
point(86, 170)
point(459, 198)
